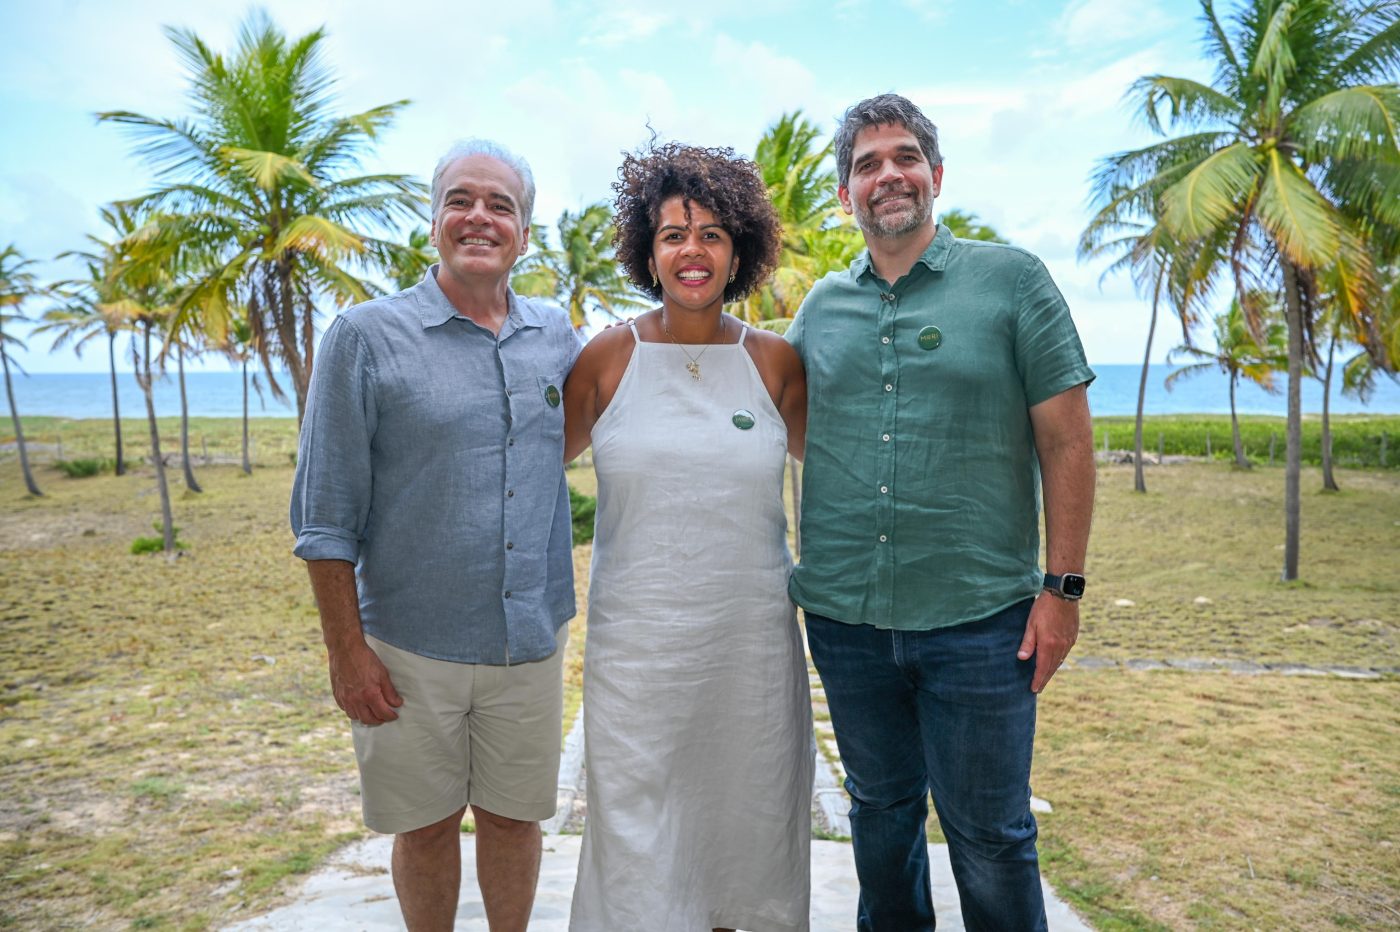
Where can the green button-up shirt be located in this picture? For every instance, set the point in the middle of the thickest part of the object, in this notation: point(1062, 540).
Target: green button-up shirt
point(920, 489)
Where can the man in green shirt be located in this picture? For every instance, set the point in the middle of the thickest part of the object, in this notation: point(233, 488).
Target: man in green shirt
point(947, 387)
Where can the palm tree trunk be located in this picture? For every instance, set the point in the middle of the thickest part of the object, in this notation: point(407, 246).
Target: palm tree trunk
point(19, 432)
point(116, 407)
point(190, 482)
point(1293, 448)
point(247, 466)
point(1240, 460)
point(1329, 484)
point(1139, 483)
point(143, 378)
point(308, 353)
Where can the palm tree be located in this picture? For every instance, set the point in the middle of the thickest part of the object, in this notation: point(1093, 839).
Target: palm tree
point(256, 178)
point(240, 346)
point(148, 319)
point(1161, 266)
point(86, 315)
point(409, 265)
point(1291, 151)
point(181, 343)
point(1238, 356)
point(817, 237)
point(139, 291)
point(582, 274)
point(17, 284)
point(1146, 255)
point(1339, 329)
point(965, 225)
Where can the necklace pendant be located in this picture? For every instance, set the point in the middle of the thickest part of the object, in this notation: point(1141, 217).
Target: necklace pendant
point(693, 368)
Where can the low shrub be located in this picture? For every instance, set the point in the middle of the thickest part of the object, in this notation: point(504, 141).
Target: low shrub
point(1359, 441)
point(156, 544)
point(83, 468)
point(582, 508)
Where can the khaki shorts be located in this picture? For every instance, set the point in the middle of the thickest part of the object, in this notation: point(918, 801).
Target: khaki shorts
point(467, 734)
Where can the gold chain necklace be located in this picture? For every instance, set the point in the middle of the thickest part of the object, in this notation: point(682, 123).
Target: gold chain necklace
point(693, 365)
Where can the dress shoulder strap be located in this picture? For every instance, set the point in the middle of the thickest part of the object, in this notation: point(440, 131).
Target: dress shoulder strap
point(743, 332)
point(632, 325)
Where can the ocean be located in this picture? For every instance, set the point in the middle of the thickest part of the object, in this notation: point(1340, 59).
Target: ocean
point(219, 394)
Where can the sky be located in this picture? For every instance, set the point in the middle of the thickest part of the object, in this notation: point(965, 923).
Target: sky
point(1027, 96)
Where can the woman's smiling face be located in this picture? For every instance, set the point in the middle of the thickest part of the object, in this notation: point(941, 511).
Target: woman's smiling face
point(692, 255)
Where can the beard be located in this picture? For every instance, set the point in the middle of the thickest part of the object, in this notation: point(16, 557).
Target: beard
point(913, 215)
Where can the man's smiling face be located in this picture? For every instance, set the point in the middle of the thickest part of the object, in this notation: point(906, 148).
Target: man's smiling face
point(479, 230)
point(892, 186)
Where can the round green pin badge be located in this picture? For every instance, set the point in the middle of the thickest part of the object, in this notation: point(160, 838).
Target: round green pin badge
point(551, 395)
point(930, 338)
point(743, 419)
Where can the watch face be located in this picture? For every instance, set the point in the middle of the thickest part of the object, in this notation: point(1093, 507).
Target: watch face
point(1072, 585)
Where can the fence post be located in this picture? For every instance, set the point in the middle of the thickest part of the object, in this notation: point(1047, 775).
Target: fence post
point(1383, 439)
point(1208, 444)
point(60, 447)
point(1161, 446)
point(1105, 441)
point(204, 449)
point(1272, 438)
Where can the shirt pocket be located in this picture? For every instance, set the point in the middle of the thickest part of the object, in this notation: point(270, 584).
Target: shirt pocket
point(549, 398)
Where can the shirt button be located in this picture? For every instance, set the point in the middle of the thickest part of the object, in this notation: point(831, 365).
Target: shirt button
point(883, 539)
point(889, 388)
point(884, 489)
point(885, 437)
point(510, 546)
point(507, 593)
point(510, 442)
point(510, 493)
point(884, 339)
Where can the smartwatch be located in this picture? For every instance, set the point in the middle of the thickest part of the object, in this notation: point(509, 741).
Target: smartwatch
point(1067, 585)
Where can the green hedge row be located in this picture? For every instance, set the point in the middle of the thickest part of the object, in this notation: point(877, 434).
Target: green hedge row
point(1358, 441)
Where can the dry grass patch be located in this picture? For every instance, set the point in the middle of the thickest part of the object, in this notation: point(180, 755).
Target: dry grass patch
point(169, 752)
point(1209, 801)
point(1209, 531)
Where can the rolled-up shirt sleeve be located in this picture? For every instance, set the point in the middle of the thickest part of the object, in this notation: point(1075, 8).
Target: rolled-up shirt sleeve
point(331, 491)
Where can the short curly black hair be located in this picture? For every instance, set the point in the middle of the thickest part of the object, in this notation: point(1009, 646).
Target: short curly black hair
point(727, 186)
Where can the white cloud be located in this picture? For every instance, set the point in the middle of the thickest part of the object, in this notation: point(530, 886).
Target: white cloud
point(620, 28)
point(1095, 23)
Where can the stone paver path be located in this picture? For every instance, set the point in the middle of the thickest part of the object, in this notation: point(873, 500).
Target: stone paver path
point(354, 892)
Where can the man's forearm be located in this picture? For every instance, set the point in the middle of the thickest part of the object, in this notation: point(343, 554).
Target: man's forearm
point(333, 582)
point(1068, 492)
point(1065, 448)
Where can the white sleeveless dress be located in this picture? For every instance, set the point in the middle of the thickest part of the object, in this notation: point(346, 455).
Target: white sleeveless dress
point(697, 718)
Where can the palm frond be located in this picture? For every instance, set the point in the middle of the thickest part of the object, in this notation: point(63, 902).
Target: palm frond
point(1353, 122)
point(1301, 221)
point(1211, 191)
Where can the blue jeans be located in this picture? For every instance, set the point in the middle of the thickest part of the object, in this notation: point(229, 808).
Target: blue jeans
point(949, 711)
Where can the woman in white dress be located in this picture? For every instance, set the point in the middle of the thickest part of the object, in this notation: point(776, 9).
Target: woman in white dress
point(697, 720)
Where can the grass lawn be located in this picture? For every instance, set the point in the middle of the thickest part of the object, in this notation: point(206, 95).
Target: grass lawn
point(170, 756)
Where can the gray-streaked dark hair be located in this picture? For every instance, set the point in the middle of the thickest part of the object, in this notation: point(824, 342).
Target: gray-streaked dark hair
point(469, 147)
point(881, 111)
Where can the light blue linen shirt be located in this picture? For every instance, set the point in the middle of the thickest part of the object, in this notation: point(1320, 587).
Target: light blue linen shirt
point(431, 457)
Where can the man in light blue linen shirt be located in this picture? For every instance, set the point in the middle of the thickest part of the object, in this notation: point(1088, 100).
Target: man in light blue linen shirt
point(430, 506)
